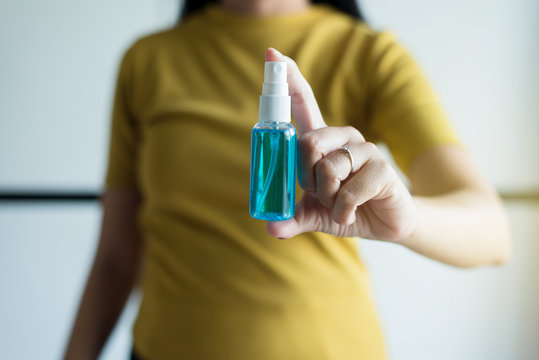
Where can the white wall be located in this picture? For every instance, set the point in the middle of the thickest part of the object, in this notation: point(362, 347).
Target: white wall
point(58, 64)
point(58, 61)
point(45, 255)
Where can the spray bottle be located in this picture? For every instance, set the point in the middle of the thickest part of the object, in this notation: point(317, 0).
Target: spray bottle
point(273, 150)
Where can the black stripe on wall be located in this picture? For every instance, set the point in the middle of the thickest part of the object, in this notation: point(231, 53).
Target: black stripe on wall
point(48, 196)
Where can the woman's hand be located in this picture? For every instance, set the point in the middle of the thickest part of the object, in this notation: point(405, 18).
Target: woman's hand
point(369, 200)
point(455, 218)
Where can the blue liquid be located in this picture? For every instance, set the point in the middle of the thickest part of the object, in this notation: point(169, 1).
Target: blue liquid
point(273, 171)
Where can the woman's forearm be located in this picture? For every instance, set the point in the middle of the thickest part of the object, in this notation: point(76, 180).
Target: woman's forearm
point(462, 228)
point(105, 295)
point(114, 273)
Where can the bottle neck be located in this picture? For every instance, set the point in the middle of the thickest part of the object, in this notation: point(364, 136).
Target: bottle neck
point(274, 109)
point(274, 125)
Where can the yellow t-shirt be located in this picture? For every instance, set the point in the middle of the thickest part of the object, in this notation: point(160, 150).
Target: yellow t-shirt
point(216, 285)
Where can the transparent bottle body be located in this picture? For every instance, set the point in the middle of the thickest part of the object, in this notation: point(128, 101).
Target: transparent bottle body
point(273, 171)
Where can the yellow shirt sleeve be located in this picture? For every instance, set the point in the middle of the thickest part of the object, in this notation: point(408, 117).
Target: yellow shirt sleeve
point(403, 110)
point(122, 158)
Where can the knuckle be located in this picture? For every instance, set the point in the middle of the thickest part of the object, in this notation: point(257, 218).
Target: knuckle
point(351, 129)
point(371, 147)
point(299, 96)
point(326, 169)
point(309, 143)
point(381, 166)
point(356, 134)
point(384, 167)
point(382, 174)
point(347, 197)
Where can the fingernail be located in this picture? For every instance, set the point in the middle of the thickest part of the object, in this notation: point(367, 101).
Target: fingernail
point(277, 51)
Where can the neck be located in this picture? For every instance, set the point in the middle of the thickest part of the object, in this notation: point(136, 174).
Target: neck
point(265, 7)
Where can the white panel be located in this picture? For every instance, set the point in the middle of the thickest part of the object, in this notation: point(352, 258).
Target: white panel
point(45, 256)
point(58, 65)
point(433, 311)
point(481, 57)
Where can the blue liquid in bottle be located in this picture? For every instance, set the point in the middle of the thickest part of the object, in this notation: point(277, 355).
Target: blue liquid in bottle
point(273, 171)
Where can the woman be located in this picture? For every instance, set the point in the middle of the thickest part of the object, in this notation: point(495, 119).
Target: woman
point(216, 283)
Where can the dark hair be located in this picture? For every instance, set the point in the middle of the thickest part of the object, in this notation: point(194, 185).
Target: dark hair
point(349, 7)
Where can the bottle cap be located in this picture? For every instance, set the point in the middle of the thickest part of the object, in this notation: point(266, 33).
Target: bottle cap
point(274, 102)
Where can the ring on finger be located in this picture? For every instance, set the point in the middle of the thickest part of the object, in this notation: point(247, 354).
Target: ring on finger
point(348, 151)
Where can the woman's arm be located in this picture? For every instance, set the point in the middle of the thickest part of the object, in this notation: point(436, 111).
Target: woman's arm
point(114, 272)
point(455, 216)
point(461, 219)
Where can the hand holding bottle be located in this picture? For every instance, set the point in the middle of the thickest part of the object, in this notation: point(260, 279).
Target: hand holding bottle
point(369, 200)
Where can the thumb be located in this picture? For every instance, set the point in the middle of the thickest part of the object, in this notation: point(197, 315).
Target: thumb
point(303, 220)
point(305, 109)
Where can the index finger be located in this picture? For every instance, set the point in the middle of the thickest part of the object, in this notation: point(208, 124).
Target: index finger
point(305, 109)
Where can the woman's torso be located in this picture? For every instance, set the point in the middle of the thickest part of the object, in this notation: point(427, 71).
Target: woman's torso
point(216, 286)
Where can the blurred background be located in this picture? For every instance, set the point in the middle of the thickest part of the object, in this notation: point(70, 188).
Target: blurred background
point(58, 62)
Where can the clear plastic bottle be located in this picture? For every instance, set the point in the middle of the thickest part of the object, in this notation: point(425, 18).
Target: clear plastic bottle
point(273, 150)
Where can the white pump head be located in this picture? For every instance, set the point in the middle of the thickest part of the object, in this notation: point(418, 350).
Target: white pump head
point(274, 101)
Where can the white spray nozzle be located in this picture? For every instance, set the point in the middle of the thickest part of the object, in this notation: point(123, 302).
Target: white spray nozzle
point(275, 79)
point(275, 71)
point(274, 102)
